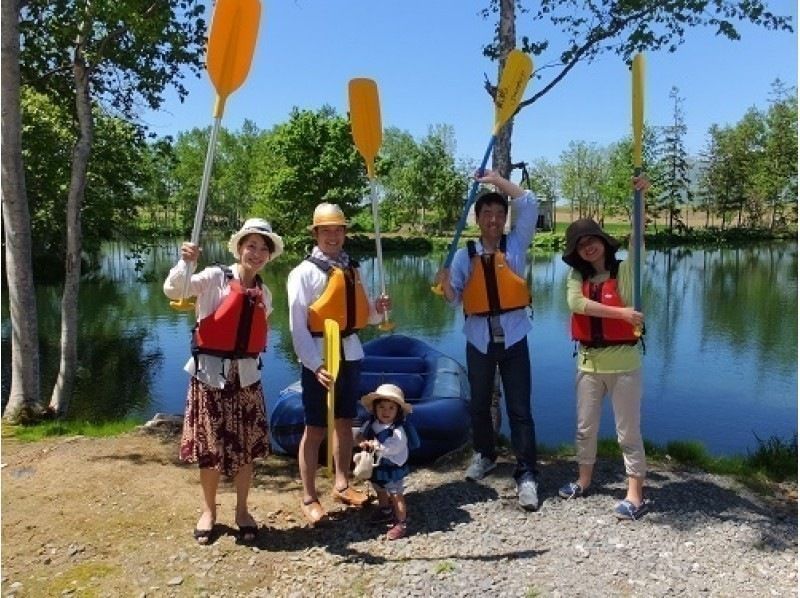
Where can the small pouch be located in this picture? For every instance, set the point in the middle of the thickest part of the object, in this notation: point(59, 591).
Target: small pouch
point(364, 462)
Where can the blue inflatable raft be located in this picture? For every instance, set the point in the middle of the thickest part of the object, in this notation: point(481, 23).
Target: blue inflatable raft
point(435, 385)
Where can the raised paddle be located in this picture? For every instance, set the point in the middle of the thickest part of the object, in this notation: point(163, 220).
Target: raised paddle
point(332, 357)
point(513, 80)
point(231, 42)
point(637, 73)
point(365, 122)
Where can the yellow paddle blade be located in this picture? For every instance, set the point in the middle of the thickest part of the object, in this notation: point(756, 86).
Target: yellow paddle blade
point(637, 71)
point(184, 304)
point(332, 347)
point(513, 80)
point(365, 119)
point(231, 43)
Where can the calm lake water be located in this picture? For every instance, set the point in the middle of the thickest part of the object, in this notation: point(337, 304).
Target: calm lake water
point(720, 365)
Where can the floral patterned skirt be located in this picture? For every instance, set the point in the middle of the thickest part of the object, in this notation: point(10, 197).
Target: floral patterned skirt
point(224, 429)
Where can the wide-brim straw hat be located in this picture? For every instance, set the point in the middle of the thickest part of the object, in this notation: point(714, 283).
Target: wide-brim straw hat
point(328, 214)
point(388, 392)
point(257, 226)
point(585, 227)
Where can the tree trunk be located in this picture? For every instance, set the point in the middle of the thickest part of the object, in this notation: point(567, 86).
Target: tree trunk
point(501, 161)
point(23, 400)
point(62, 391)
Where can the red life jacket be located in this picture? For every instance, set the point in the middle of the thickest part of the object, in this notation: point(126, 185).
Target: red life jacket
point(592, 331)
point(238, 327)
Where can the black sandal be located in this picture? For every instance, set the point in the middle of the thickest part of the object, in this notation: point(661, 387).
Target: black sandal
point(247, 533)
point(203, 536)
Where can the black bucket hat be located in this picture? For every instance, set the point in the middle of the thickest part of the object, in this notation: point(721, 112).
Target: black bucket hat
point(585, 227)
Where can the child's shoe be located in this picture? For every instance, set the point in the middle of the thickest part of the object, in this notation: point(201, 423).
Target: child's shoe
point(397, 531)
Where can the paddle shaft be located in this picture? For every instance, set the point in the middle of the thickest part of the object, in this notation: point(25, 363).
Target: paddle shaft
point(201, 199)
point(638, 241)
point(331, 427)
point(462, 222)
point(378, 249)
point(637, 113)
point(332, 343)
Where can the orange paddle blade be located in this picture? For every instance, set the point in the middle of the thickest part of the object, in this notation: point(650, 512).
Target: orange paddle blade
point(637, 71)
point(513, 80)
point(231, 43)
point(365, 119)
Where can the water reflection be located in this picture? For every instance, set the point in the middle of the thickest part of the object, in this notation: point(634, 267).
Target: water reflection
point(721, 338)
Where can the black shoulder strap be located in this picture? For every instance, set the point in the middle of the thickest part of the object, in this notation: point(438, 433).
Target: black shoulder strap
point(614, 269)
point(502, 245)
point(471, 251)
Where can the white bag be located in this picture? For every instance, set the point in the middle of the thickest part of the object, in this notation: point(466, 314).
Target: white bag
point(364, 462)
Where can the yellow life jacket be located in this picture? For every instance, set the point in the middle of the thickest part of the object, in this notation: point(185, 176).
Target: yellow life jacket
point(343, 300)
point(493, 287)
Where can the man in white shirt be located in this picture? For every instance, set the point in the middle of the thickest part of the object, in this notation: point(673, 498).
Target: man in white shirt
point(327, 285)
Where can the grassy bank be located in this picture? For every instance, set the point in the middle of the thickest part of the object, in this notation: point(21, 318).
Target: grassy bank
point(773, 461)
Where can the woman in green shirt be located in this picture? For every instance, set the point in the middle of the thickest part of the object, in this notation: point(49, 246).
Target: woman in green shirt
point(599, 294)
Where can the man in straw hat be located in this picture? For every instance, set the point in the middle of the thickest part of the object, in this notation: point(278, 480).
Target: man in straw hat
point(326, 284)
point(488, 279)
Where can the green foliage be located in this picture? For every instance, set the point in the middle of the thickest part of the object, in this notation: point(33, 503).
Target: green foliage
point(623, 28)
point(672, 176)
point(423, 187)
point(132, 54)
point(114, 174)
point(775, 458)
point(689, 452)
point(305, 161)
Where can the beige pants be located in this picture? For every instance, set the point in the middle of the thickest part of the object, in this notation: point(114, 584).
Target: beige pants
point(625, 391)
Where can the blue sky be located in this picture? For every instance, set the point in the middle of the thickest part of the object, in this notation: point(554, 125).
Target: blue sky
point(425, 56)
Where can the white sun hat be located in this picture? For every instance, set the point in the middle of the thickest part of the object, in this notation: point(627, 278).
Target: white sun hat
point(257, 226)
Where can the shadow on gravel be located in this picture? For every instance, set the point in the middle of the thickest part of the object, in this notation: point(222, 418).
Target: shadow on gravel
point(687, 501)
point(430, 510)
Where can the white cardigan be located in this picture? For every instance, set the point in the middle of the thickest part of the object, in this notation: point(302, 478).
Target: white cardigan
point(210, 288)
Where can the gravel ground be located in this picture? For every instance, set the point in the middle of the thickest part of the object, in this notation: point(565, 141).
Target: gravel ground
point(703, 536)
point(112, 517)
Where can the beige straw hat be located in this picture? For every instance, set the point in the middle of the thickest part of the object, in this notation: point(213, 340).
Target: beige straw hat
point(389, 392)
point(328, 214)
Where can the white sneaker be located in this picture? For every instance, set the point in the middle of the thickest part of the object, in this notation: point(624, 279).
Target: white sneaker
point(479, 467)
point(528, 494)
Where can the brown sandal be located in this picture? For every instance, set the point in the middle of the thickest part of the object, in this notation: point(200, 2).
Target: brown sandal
point(313, 511)
point(350, 496)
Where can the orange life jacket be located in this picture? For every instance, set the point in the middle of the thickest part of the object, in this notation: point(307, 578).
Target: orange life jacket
point(238, 327)
point(493, 287)
point(592, 331)
point(343, 300)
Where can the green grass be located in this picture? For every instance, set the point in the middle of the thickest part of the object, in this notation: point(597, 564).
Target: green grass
point(774, 460)
point(40, 431)
point(443, 567)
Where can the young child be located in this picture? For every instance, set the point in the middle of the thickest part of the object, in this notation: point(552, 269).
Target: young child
point(225, 423)
point(387, 432)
